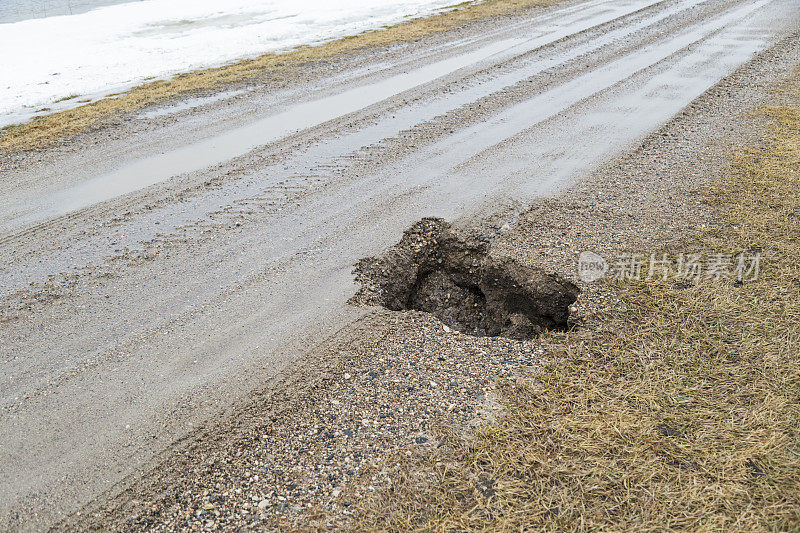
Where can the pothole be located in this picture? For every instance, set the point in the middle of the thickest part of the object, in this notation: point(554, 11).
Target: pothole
point(461, 284)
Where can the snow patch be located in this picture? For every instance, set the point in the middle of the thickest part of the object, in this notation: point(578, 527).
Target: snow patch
point(116, 47)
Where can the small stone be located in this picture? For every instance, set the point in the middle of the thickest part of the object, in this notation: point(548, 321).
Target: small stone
point(263, 504)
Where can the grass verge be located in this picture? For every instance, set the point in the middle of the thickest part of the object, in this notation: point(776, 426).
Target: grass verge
point(682, 412)
point(47, 130)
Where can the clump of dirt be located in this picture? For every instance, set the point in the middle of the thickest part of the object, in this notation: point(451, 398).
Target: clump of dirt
point(434, 271)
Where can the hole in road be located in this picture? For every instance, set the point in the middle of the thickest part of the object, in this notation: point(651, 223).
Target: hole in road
point(432, 270)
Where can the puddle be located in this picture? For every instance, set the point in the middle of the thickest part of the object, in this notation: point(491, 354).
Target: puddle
point(460, 283)
point(237, 142)
point(189, 103)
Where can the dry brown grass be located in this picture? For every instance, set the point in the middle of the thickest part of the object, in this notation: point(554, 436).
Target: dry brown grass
point(47, 130)
point(683, 412)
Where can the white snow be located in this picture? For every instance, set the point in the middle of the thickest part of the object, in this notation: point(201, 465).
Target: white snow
point(116, 47)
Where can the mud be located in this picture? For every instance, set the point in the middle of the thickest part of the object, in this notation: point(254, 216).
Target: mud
point(432, 270)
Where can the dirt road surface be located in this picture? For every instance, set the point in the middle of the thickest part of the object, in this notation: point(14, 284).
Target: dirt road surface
point(154, 272)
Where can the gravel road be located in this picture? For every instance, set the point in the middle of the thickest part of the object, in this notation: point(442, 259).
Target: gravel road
point(157, 271)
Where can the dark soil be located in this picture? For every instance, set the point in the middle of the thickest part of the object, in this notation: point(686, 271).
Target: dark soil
point(434, 271)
